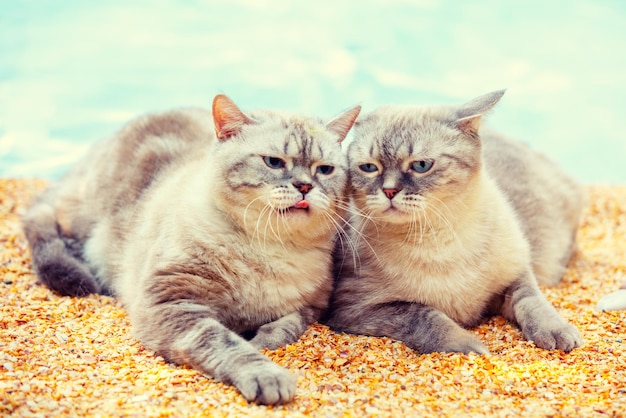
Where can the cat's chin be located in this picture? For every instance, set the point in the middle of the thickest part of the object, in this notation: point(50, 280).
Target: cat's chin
point(393, 215)
point(396, 220)
point(293, 210)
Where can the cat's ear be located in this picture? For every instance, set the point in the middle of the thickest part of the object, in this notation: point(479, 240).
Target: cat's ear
point(468, 115)
point(227, 117)
point(341, 124)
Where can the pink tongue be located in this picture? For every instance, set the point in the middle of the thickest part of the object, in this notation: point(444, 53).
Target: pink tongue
point(302, 204)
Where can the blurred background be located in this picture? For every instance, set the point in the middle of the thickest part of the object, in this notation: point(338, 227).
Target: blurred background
point(72, 72)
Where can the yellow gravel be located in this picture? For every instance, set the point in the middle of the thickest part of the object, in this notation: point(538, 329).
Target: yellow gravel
point(63, 356)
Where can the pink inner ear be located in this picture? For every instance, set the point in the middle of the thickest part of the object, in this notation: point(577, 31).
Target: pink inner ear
point(341, 124)
point(227, 117)
point(469, 125)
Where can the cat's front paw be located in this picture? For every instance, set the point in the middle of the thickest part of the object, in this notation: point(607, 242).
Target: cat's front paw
point(464, 343)
point(283, 331)
point(266, 383)
point(555, 334)
point(456, 340)
point(270, 340)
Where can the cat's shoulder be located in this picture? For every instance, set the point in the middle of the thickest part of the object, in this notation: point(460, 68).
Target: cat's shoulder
point(160, 137)
point(174, 121)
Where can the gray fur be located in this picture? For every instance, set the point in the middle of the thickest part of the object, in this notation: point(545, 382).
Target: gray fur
point(435, 252)
point(182, 216)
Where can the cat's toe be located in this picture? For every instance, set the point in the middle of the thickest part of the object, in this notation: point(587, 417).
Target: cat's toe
point(564, 337)
point(271, 341)
point(467, 346)
point(568, 338)
point(462, 341)
point(268, 384)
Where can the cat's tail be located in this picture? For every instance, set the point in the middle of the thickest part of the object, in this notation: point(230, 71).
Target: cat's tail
point(57, 259)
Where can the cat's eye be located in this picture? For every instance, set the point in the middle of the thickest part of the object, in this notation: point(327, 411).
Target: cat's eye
point(368, 168)
point(274, 162)
point(422, 166)
point(325, 169)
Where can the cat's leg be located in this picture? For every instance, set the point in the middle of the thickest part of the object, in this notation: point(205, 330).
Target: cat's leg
point(285, 330)
point(189, 333)
point(539, 321)
point(56, 259)
point(421, 327)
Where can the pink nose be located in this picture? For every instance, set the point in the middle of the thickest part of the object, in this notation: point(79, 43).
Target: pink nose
point(303, 187)
point(390, 193)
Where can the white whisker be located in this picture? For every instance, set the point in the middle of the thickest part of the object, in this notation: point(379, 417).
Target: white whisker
point(345, 240)
point(445, 219)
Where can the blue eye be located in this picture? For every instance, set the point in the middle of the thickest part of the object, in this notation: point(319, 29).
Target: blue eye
point(368, 168)
point(274, 162)
point(421, 166)
point(325, 169)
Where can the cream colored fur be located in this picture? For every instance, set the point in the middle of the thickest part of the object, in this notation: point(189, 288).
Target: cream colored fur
point(214, 228)
point(451, 227)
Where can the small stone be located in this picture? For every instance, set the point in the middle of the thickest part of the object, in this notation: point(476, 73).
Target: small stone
point(613, 301)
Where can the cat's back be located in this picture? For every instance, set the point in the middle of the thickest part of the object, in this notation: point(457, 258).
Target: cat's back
point(148, 146)
point(114, 174)
point(529, 178)
point(548, 202)
point(99, 197)
point(116, 171)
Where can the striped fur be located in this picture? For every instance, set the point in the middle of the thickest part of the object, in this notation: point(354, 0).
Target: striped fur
point(215, 229)
point(437, 251)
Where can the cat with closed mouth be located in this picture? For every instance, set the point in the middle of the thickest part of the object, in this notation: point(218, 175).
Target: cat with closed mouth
point(453, 223)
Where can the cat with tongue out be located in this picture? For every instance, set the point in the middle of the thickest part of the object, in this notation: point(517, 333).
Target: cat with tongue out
point(304, 188)
point(196, 219)
point(301, 204)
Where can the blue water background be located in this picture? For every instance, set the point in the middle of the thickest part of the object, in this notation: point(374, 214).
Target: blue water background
point(72, 72)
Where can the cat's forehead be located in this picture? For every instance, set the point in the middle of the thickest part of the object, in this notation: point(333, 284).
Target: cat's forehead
point(403, 130)
point(295, 136)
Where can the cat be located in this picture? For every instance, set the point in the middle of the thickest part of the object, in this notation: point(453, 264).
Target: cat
point(451, 225)
point(214, 228)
